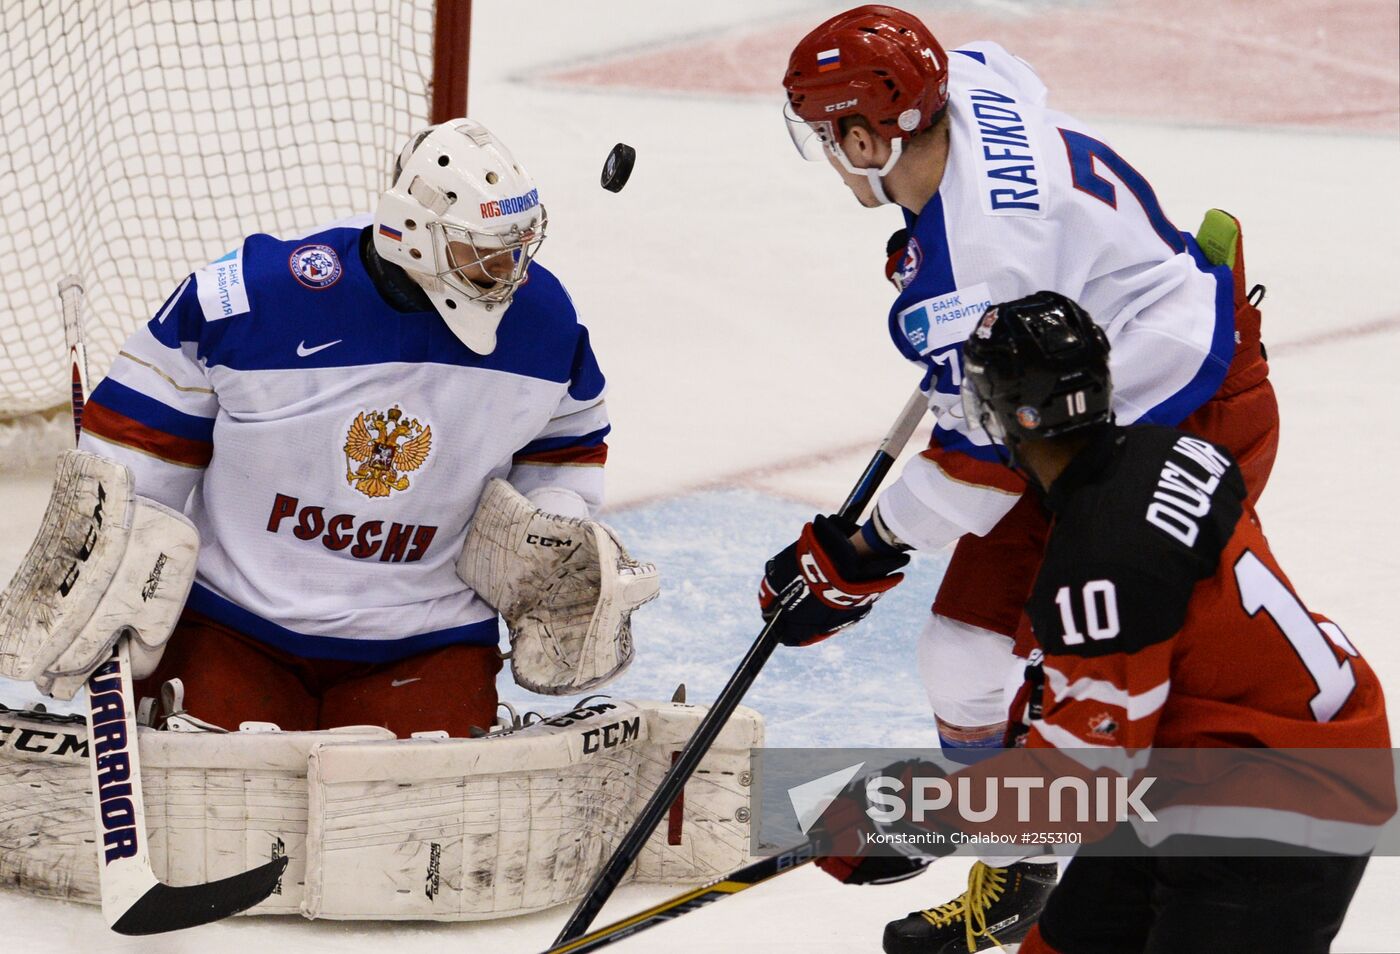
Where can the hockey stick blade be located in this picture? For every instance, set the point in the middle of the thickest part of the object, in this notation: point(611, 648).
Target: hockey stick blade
point(688, 901)
point(610, 875)
point(165, 908)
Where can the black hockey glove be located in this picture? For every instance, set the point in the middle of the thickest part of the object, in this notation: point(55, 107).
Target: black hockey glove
point(901, 848)
point(836, 586)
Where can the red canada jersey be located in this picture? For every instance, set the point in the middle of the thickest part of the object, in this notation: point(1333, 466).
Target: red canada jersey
point(1166, 622)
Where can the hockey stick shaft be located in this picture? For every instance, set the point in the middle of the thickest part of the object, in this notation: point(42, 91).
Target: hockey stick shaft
point(70, 295)
point(612, 873)
point(133, 900)
point(746, 877)
point(885, 455)
point(123, 860)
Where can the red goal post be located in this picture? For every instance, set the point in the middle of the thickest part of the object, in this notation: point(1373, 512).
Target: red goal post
point(452, 37)
point(142, 140)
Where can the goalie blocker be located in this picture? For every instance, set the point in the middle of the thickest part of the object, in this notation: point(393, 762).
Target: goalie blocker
point(105, 561)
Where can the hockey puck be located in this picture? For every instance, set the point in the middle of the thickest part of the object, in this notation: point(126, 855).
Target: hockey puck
point(618, 167)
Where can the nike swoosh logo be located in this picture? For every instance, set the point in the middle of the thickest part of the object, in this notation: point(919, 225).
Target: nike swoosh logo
point(395, 683)
point(304, 352)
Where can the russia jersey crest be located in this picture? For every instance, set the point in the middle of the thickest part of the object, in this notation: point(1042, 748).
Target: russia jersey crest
point(315, 266)
point(909, 266)
point(386, 446)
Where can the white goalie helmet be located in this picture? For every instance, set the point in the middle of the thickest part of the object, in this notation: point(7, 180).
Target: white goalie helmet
point(464, 219)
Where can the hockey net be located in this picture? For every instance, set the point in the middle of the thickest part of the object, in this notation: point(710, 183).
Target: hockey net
point(142, 140)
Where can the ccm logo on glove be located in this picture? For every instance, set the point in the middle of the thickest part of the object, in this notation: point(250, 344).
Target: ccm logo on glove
point(845, 583)
point(820, 584)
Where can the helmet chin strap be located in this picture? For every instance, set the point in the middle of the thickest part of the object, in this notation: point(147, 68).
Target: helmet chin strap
point(876, 177)
point(877, 185)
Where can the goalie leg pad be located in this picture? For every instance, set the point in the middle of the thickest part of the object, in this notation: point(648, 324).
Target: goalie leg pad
point(473, 829)
point(216, 804)
point(104, 561)
point(377, 828)
point(566, 587)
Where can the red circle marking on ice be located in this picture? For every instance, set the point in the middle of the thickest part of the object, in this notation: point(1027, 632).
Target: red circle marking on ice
point(1313, 63)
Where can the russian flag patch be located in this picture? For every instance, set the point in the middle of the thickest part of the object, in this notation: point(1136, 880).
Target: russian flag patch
point(394, 234)
point(828, 60)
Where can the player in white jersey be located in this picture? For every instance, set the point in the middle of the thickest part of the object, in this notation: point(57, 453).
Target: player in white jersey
point(1002, 197)
point(331, 412)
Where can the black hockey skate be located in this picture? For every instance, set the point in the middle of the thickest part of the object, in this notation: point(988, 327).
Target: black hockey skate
point(999, 907)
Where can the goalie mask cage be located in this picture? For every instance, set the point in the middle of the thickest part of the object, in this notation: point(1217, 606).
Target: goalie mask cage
point(145, 138)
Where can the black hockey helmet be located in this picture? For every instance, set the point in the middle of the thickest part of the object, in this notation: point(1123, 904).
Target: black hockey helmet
point(1034, 368)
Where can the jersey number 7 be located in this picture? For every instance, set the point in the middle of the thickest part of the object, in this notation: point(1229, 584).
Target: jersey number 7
point(1084, 150)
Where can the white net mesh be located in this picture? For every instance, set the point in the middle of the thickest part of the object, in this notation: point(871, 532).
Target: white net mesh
point(142, 140)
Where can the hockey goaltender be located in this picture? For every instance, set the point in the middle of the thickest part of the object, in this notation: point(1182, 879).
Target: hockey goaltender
point(303, 493)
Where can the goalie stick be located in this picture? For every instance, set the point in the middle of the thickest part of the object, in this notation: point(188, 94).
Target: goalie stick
point(133, 900)
point(611, 874)
point(70, 294)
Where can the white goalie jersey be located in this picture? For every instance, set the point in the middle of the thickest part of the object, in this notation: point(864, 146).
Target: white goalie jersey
point(331, 449)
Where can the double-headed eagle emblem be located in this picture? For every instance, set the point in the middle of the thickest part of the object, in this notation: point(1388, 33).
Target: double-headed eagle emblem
point(386, 446)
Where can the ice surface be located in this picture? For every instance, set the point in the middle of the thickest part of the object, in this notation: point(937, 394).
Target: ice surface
point(736, 303)
point(840, 692)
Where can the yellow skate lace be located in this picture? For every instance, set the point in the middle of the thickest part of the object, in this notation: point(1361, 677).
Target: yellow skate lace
point(984, 885)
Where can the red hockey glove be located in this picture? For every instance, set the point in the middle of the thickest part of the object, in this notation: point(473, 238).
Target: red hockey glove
point(873, 870)
point(836, 585)
point(845, 831)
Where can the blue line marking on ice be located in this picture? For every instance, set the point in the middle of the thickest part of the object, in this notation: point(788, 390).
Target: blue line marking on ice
point(860, 687)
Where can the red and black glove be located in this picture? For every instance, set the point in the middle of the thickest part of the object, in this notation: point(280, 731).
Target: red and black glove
point(845, 831)
point(895, 249)
point(824, 582)
point(872, 869)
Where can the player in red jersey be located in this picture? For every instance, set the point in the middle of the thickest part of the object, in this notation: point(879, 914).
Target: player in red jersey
point(1165, 622)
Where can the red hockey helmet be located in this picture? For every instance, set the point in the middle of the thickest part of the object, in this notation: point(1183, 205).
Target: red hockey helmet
point(874, 61)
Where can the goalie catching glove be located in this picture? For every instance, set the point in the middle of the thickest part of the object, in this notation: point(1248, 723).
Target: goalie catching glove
point(105, 562)
point(840, 584)
point(565, 585)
